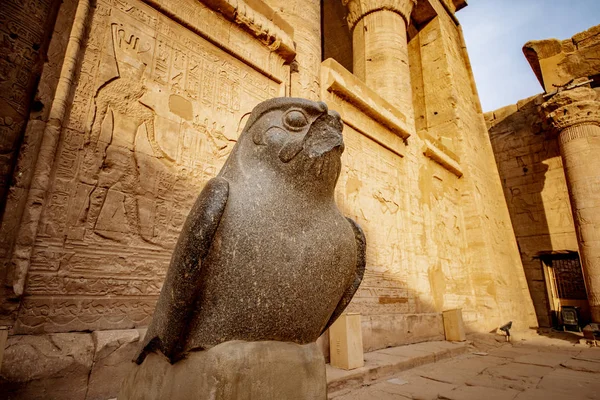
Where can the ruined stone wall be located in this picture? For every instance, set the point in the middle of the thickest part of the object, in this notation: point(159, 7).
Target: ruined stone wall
point(534, 183)
point(528, 158)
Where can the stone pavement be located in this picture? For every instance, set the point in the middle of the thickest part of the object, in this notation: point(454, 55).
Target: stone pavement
point(385, 362)
point(533, 368)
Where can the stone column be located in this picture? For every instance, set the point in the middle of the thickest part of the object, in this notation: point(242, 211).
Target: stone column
point(380, 48)
point(575, 115)
point(305, 17)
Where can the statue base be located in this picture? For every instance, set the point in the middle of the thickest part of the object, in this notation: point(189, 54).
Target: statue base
point(232, 370)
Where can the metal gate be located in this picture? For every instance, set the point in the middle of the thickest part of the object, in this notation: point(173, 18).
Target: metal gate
point(565, 284)
point(568, 278)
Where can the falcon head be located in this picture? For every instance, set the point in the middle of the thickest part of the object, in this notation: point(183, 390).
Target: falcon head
point(294, 136)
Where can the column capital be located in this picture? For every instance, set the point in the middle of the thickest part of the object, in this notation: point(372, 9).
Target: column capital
point(567, 108)
point(357, 9)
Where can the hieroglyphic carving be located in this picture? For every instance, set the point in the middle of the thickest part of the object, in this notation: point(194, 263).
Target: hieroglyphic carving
point(270, 45)
point(23, 36)
point(406, 206)
point(368, 192)
point(156, 110)
point(62, 314)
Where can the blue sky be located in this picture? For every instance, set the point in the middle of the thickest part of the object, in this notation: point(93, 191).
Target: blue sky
point(496, 30)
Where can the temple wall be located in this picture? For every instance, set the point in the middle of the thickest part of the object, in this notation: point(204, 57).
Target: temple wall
point(23, 28)
point(488, 284)
point(23, 66)
point(528, 158)
point(154, 110)
point(535, 188)
point(143, 101)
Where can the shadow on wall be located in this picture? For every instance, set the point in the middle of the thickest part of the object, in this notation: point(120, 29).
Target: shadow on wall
point(534, 185)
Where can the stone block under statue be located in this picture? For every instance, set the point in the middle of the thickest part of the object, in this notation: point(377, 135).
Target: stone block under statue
point(232, 370)
point(264, 264)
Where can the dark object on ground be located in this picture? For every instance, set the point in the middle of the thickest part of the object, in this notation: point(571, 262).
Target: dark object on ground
point(506, 329)
point(570, 318)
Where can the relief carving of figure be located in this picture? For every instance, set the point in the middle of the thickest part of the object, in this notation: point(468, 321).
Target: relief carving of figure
point(110, 164)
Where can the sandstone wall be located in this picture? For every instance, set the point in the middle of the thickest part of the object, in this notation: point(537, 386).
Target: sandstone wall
point(25, 30)
point(153, 110)
point(489, 283)
point(143, 102)
point(528, 158)
point(431, 205)
point(531, 169)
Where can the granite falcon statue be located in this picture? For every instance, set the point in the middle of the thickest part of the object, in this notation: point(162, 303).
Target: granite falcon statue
point(264, 254)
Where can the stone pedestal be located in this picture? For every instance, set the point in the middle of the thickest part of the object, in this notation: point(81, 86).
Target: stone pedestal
point(454, 329)
point(380, 48)
point(575, 115)
point(345, 342)
point(232, 370)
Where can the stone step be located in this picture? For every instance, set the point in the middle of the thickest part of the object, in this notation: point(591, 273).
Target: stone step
point(386, 362)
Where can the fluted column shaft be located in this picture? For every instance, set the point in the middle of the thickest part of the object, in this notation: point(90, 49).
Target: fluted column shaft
point(575, 114)
point(380, 49)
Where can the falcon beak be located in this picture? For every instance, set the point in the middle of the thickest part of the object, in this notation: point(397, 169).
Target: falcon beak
point(324, 135)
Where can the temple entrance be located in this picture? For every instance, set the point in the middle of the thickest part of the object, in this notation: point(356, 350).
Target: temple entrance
point(565, 286)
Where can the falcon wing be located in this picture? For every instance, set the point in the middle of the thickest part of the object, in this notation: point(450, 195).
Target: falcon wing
point(361, 248)
point(176, 302)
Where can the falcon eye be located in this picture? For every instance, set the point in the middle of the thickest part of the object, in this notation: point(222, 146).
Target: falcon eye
point(295, 120)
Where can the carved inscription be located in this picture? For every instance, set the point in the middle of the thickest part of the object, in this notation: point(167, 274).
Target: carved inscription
point(24, 27)
point(411, 220)
point(156, 111)
point(368, 192)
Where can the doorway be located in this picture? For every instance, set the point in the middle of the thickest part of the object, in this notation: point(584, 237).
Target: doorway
point(565, 286)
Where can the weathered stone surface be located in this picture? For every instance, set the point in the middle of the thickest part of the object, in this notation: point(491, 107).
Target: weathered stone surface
point(388, 331)
point(475, 376)
point(48, 367)
point(232, 370)
point(358, 9)
point(544, 151)
point(521, 376)
point(21, 55)
point(571, 107)
point(380, 49)
point(152, 97)
point(477, 393)
point(535, 191)
point(564, 380)
point(156, 157)
point(384, 363)
point(304, 16)
point(543, 359)
point(557, 63)
point(265, 254)
point(114, 352)
point(582, 365)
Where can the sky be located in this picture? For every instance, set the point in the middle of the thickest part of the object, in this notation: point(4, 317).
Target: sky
point(496, 30)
